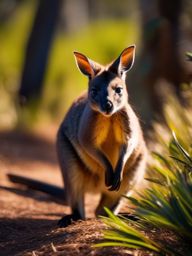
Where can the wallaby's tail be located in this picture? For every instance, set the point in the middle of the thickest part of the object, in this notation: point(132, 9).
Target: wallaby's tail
point(55, 191)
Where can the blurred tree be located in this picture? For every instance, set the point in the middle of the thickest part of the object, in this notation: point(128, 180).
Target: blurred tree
point(164, 51)
point(37, 49)
point(160, 63)
point(75, 15)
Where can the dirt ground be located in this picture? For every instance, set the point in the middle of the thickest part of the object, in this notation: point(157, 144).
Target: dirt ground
point(28, 219)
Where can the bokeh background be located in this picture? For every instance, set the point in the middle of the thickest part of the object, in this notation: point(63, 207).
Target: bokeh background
point(38, 76)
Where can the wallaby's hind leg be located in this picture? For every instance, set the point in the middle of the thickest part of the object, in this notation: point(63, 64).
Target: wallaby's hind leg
point(109, 201)
point(74, 216)
point(72, 172)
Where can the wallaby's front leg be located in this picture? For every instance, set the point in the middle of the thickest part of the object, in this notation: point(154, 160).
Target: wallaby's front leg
point(125, 152)
point(118, 173)
point(107, 167)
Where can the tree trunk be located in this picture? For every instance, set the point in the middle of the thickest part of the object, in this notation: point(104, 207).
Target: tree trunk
point(37, 49)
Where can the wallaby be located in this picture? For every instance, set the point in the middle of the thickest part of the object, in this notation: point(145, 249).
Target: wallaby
point(100, 145)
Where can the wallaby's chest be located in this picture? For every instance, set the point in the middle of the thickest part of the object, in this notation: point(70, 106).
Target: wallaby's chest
point(109, 137)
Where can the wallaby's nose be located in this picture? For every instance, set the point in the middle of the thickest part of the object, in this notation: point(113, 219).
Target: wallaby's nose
point(109, 106)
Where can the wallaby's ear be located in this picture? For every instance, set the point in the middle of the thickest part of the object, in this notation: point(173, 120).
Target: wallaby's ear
point(124, 62)
point(86, 66)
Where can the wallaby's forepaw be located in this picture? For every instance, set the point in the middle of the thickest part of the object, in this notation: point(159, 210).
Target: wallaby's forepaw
point(108, 179)
point(112, 181)
point(109, 176)
point(67, 220)
point(116, 184)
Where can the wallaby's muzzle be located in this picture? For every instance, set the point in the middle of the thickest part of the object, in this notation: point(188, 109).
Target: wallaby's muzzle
point(108, 107)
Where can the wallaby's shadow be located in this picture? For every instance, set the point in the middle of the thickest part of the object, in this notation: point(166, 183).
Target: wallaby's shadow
point(22, 234)
point(36, 195)
point(17, 146)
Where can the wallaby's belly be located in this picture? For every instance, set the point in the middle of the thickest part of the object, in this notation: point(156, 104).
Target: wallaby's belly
point(109, 138)
point(111, 148)
point(92, 173)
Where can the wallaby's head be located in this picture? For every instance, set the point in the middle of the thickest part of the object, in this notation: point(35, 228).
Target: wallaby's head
point(107, 92)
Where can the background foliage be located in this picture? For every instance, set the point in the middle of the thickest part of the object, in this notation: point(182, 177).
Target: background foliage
point(101, 40)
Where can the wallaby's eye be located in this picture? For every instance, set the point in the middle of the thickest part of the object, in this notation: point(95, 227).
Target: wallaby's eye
point(118, 90)
point(93, 93)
